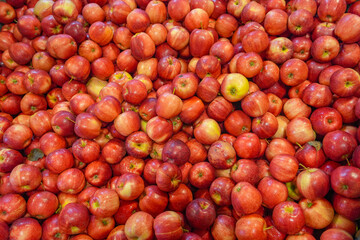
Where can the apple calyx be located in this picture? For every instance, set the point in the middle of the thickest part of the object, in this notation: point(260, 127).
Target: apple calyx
point(216, 197)
point(309, 204)
point(204, 205)
point(75, 230)
point(289, 209)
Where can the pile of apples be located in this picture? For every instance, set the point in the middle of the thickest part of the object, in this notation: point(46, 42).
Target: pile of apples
point(179, 119)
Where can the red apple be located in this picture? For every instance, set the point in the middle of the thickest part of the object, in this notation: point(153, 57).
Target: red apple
point(74, 218)
point(288, 217)
point(140, 225)
point(245, 198)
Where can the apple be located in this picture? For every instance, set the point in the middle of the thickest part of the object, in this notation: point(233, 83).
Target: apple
point(280, 50)
point(220, 191)
point(97, 173)
point(245, 198)
point(313, 183)
point(245, 170)
point(343, 31)
point(74, 218)
point(51, 228)
point(265, 126)
point(272, 191)
point(339, 145)
point(284, 167)
point(288, 217)
point(200, 213)
point(104, 203)
point(168, 177)
point(201, 175)
point(342, 222)
point(140, 225)
point(192, 108)
point(71, 181)
point(138, 144)
point(168, 225)
point(129, 186)
point(299, 130)
point(207, 131)
point(347, 207)
point(13, 206)
point(251, 226)
point(319, 209)
point(42, 205)
point(343, 179)
point(25, 177)
point(334, 233)
point(25, 226)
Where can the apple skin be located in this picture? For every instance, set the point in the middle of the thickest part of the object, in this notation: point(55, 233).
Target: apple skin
point(129, 186)
point(13, 206)
point(311, 155)
point(220, 191)
point(279, 146)
point(74, 218)
point(25, 177)
point(325, 120)
point(251, 227)
point(50, 228)
point(221, 155)
point(207, 131)
point(343, 181)
point(313, 183)
point(153, 200)
point(344, 223)
point(17, 136)
point(347, 207)
point(245, 170)
point(237, 122)
point(10, 158)
point(42, 205)
point(26, 226)
point(245, 198)
point(104, 203)
point(318, 213)
point(334, 233)
point(117, 233)
point(339, 145)
point(200, 213)
point(344, 30)
point(284, 167)
point(201, 175)
point(272, 191)
point(71, 181)
point(265, 126)
point(140, 225)
point(168, 225)
point(288, 217)
point(299, 130)
point(176, 152)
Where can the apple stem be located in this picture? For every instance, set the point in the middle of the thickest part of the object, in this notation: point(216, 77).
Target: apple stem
point(301, 147)
point(348, 162)
point(58, 209)
point(70, 120)
point(185, 230)
point(268, 228)
point(174, 90)
point(303, 166)
point(267, 141)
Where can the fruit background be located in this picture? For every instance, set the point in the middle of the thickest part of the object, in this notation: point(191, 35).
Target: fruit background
point(179, 119)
